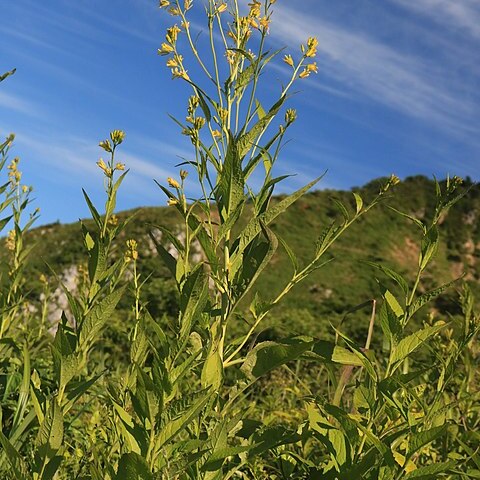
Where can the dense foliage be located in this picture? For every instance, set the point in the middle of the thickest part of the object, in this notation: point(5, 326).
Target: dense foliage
point(200, 367)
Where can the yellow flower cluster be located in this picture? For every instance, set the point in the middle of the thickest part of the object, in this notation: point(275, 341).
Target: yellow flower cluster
point(173, 183)
point(392, 181)
point(116, 137)
point(175, 63)
point(290, 115)
point(132, 250)
point(108, 170)
point(309, 51)
point(222, 8)
point(14, 174)
point(10, 240)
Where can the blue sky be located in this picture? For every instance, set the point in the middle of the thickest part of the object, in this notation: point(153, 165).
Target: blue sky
point(397, 92)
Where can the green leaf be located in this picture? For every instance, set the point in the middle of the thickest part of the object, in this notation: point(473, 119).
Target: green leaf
point(167, 257)
point(267, 356)
point(426, 297)
point(358, 202)
point(254, 226)
point(409, 344)
point(216, 460)
point(230, 181)
point(396, 277)
point(393, 303)
point(246, 141)
point(417, 222)
point(290, 253)
point(175, 426)
point(24, 392)
point(15, 460)
point(212, 372)
point(93, 210)
point(97, 317)
point(256, 257)
point(193, 298)
point(429, 247)
point(7, 74)
point(341, 207)
point(390, 323)
point(50, 436)
point(419, 439)
point(331, 353)
point(132, 466)
point(430, 471)
point(4, 222)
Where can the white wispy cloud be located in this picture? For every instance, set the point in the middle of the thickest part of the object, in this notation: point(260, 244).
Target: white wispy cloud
point(403, 82)
point(462, 15)
point(13, 102)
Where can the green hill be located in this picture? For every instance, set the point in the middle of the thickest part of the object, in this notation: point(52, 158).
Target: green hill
point(382, 236)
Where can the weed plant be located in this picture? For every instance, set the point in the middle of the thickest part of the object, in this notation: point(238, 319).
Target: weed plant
point(192, 398)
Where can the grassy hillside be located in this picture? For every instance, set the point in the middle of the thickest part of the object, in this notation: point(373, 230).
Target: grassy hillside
point(331, 291)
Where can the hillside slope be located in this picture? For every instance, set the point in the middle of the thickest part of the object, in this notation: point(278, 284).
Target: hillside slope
point(382, 236)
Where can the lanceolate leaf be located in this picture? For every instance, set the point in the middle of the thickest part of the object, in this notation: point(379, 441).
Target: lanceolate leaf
point(133, 466)
point(430, 472)
point(409, 344)
point(254, 227)
point(256, 257)
point(245, 142)
point(269, 355)
point(231, 182)
point(14, 459)
point(97, 317)
point(419, 439)
point(175, 426)
point(426, 297)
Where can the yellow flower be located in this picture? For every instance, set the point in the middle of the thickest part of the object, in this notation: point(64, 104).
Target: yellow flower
point(216, 133)
point(132, 251)
point(255, 7)
point(172, 34)
point(164, 3)
point(105, 144)
point(231, 55)
point(10, 241)
point(223, 114)
point(172, 63)
point(183, 174)
point(120, 166)
point(187, 5)
point(394, 180)
point(312, 67)
point(312, 44)
point(174, 11)
point(290, 115)
point(117, 136)
point(24, 189)
point(180, 73)
point(172, 201)
point(305, 73)
point(221, 8)
point(265, 23)
point(288, 60)
point(165, 49)
point(199, 123)
point(103, 166)
point(173, 183)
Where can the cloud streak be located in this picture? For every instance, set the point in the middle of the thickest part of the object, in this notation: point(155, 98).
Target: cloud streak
point(463, 15)
point(364, 65)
